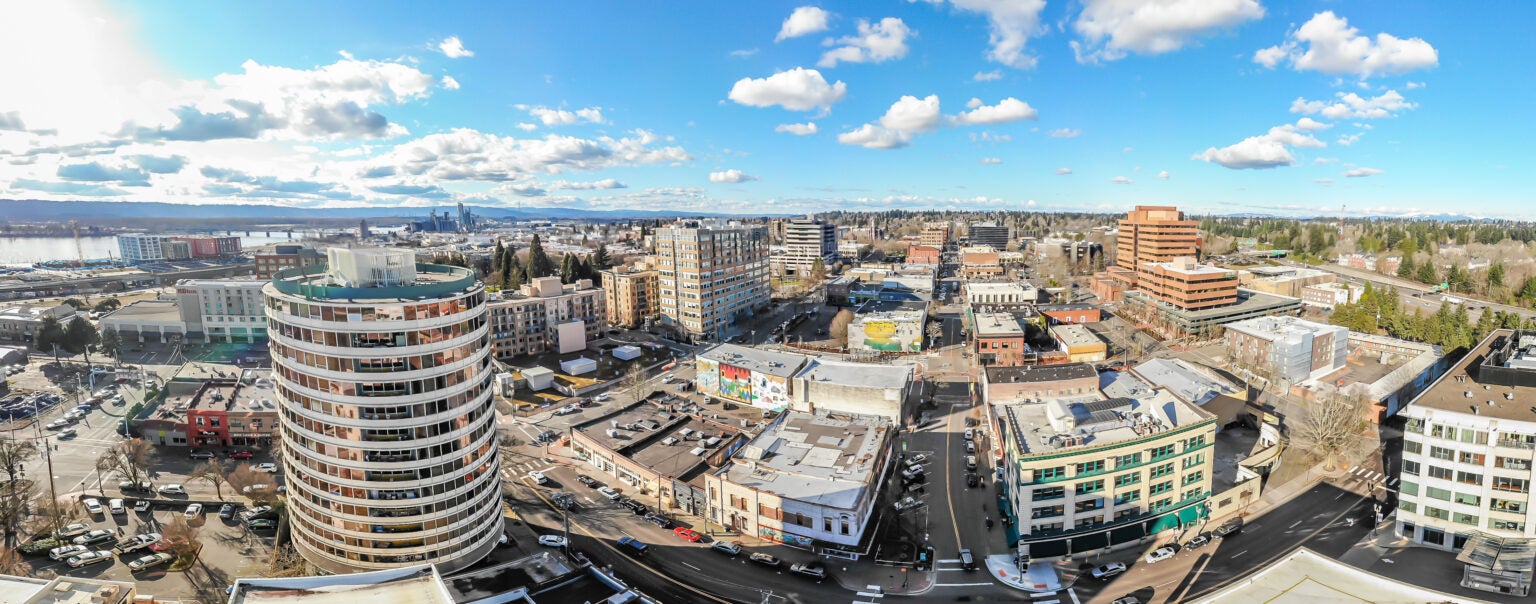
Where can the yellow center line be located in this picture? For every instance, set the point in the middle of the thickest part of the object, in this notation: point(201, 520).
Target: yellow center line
point(948, 493)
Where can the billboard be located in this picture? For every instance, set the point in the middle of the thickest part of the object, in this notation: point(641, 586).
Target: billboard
point(735, 383)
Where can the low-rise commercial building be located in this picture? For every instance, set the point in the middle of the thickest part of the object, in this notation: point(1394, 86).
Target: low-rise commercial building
point(545, 315)
point(19, 323)
point(1282, 280)
point(1000, 294)
point(1187, 285)
point(826, 386)
point(888, 327)
point(1071, 313)
point(630, 295)
point(924, 254)
point(1206, 322)
point(809, 481)
point(747, 375)
point(980, 262)
point(659, 456)
point(286, 256)
point(216, 413)
point(839, 289)
point(1003, 385)
point(1080, 343)
point(936, 234)
point(1287, 349)
point(1085, 473)
point(147, 321)
point(1329, 295)
point(999, 339)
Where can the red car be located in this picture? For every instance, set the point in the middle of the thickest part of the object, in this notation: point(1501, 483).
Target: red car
point(241, 455)
point(687, 533)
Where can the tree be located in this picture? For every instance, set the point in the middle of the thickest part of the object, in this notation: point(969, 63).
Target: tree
point(513, 273)
point(1332, 422)
point(634, 380)
point(80, 336)
point(49, 337)
point(14, 510)
point(839, 328)
point(244, 479)
point(129, 459)
point(111, 344)
point(212, 473)
point(50, 514)
point(818, 271)
point(1405, 269)
point(1426, 272)
point(12, 563)
point(600, 259)
point(14, 455)
point(181, 536)
point(1496, 275)
point(568, 268)
point(77, 303)
point(108, 305)
point(539, 264)
point(498, 256)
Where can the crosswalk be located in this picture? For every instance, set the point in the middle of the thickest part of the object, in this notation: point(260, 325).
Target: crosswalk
point(514, 471)
point(870, 595)
point(1373, 476)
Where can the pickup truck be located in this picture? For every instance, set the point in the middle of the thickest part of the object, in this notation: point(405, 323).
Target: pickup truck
point(632, 546)
point(135, 543)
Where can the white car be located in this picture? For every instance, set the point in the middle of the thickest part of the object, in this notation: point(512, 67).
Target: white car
point(1162, 553)
point(117, 507)
point(66, 551)
point(193, 511)
point(141, 505)
point(611, 494)
point(85, 558)
point(268, 467)
point(551, 541)
point(92, 505)
point(172, 489)
point(602, 398)
point(538, 477)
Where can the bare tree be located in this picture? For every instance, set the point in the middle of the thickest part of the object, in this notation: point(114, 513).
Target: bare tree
point(129, 459)
point(212, 473)
point(12, 563)
point(180, 536)
point(14, 455)
point(286, 562)
point(14, 509)
point(1331, 423)
point(839, 327)
point(250, 482)
point(634, 380)
point(51, 514)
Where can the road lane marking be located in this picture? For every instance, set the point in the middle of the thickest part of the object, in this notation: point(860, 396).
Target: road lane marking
point(1293, 524)
point(1239, 554)
point(690, 566)
point(960, 584)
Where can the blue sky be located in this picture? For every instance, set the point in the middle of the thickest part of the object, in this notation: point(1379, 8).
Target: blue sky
point(1213, 105)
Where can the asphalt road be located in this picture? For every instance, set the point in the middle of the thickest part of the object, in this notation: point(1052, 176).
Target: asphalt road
point(1408, 288)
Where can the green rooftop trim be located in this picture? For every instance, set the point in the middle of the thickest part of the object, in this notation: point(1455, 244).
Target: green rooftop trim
point(301, 281)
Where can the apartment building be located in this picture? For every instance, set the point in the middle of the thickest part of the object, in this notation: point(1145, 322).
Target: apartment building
point(545, 315)
point(286, 256)
point(989, 234)
point(936, 234)
point(1085, 473)
point(1469, 449)
point(222, 310)
point(382, 372)
point(212, 247)
point(139, 248)
point(711, 275)
point(809, 480)
point(629, 294)
point(980, 262)
point(1287, 349)
point(805, 241)
point(1185, 285)
point(1329, 295)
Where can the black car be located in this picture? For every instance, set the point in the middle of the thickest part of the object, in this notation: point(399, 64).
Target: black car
point(1231, 528)
point(971, 480)
point(586, 480)
point(658, 520)
point(634, 506)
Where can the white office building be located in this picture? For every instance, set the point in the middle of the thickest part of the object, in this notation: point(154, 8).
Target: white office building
point(141, 248)
point(382, 370)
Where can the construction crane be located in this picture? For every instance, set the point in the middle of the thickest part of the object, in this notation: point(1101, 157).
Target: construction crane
point(74, 227)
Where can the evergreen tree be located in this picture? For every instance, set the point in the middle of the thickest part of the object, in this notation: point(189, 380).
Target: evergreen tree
point(568, 268)
point(1427, 273)
point(1496, 275)
point(600, 259)
point(80, 336)
point(49, 337)
point(497, 256)
point(583, 269)
point(539, 263)
point(1405, 270)
point(514, 272)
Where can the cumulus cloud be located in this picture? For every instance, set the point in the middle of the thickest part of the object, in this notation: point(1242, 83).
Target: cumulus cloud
point(1308, 124)
point(1351, 105)
point(449, 83)
point(1006, 110)
point(1350, 139)
point(987, 76)
point(803, 21)
point(1112, 28)
point(1269, 150)
point(606, 183)
point(1362, 172)
point(1323, 181)
point(1326, 43)
point(470, 155)
point(1065, 133)
point(907, 117)
point(11, 120)
point(97, 172)
point(562, 117)
point(991, 161)
point(875, 43)
point(1163, 175)
point(871, 136)
point(1063, 171)
point(454, 48)
point(1010, 25)
point(798, 89)
point(730, 176)
point(805, 129)
point(1120, 180)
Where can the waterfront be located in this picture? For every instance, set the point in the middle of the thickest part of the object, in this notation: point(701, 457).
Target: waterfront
point(26, 250)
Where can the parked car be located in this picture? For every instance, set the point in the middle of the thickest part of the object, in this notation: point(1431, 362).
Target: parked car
point(687, 534)
point(166, 544)
point(658, 520)
point(141, 506)
point(729, 548)
point(611, 494)
point(262, 524)
point(150, 561)
point(1160, 554)
point(764, 559)
point(635, 506)
point(227, 511)
point(92, 506)
point(971, 480)
point(65, 551)
point(970, 433)
point(193, 511)
point(201, 455)
point(94, 537)
point(602, 398)
point(258, 512)
point(116, 507)
point(136, 543)
point(129, 485)
point(241, 455)
point(814, 569)
point(72, 530)
point(908, 502)
point(919, 458)
point(1232, 527)
point(1108, 570)
point(538, 477)
point(268, 467)
point(1200, 540)
point(172, 489)
point(552, 541)
point(586, 480)
point(85, 558)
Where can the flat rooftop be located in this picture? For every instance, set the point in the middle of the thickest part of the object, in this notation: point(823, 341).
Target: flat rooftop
point(826, 459)
point(1275, 328)
point(523, 573)
point(252, 395)
point(411, 585)
point(1185, 380)
point(1192, 269)
point(997, 325)
point(1285, 273)
point(1305, 577)
point(1061, 424)
point(1495, 378)
point(1248, 301)
point(864, 375)
point(148, 310)
point(766, 362)
point(1041, 373)
point(1074, 334)
point(1005, 287)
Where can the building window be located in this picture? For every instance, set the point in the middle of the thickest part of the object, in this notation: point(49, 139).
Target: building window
point(1194, 460)
point(1409, 488)
point(1511, 485)
point(1410, 468)
point(1128, 497)
point(1412, 446)
point(1160, 488)
point(1161, 471)
point(1415, 426)
point(1125, 461)
point(1127, 479)
point(1474, 437)
point(1506, 525)
point(1442, 453)
point(1468, 499)
point(1050, 511)
point(1435, 493)
point(1192, 478)
point(1408, 506)
point(1089, 505)
point(1090, 467)
point(1465, 519)
point(1469, 478)
point(1091, 486)
point(1163, 451)
point(1472, 458)
point(1505, 505)
point(1512, 463)
point(1050, 473)
point(1049, 493)
point(1437, 513)
point(1441, 473)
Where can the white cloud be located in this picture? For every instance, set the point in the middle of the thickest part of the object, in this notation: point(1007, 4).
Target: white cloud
point(1063, 171)
point(449, 83)
point(1111, 28)
point(803, 21)
point(907, 117)
point(1065, 133)
point(1350, 139)
point(1325, 160)
point(1308, 124)
point(469, 155)
point(527, 127)
point(562, 117)
point(730, 176)
point(1323, 181)
point(798, 89)
point(606, 183)
point(1006, 110)
point(875, 43)
point(1120, 180)
point(1269, 150)
point(805, 129)
point(991, 161)
point(1326, 43)
point(743, 53)
point(1362, 172)
point(987, 76)
point(1163, 175)
point(454, 48)
point(1351, 105)
point(1010, 25)
point(871, 136)
point(1414, 85)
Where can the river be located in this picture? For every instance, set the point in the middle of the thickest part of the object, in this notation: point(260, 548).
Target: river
point(25, 250)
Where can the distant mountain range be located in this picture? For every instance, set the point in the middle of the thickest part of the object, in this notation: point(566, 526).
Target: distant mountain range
point(28, 210)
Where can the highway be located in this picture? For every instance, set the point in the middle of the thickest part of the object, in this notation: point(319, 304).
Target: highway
point(1407, 289)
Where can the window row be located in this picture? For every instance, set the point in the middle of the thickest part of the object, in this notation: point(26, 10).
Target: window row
point(379, 364)
point(376, 339)
point(383, 312)
point(382, 388)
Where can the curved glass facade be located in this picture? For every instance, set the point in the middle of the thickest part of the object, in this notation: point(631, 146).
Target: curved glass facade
point(388, 426)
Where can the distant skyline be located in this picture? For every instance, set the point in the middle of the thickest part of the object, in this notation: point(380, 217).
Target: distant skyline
point(1216, 106)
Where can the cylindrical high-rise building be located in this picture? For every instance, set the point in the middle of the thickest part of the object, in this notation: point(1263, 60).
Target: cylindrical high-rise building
point(382, 371)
